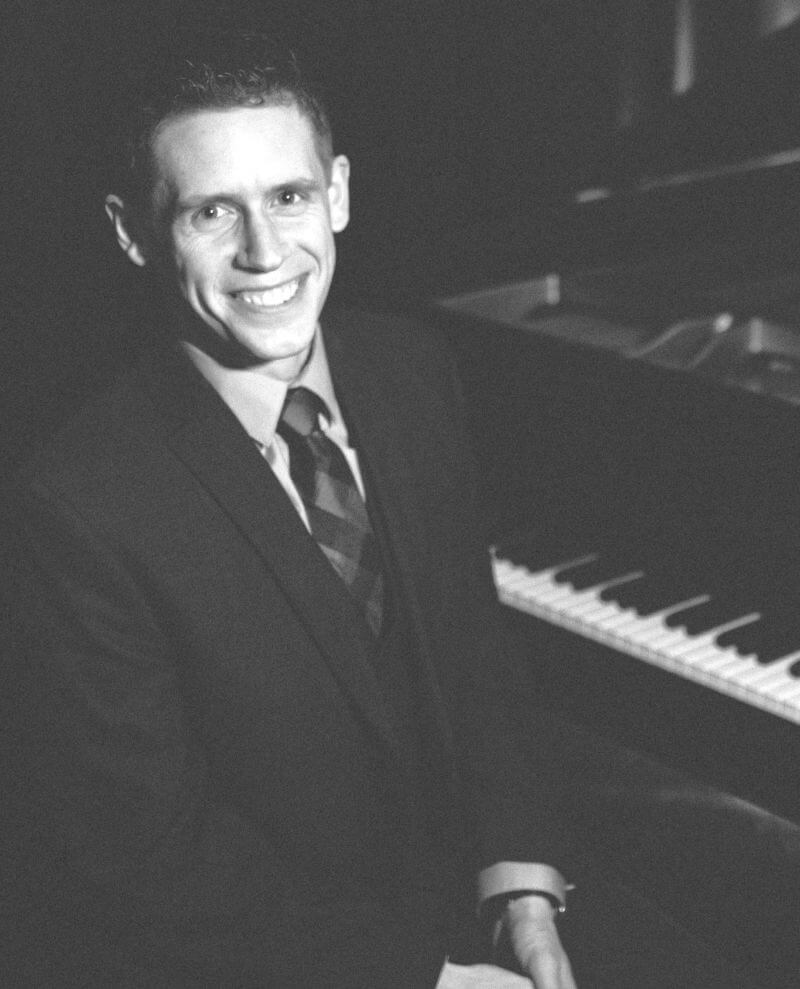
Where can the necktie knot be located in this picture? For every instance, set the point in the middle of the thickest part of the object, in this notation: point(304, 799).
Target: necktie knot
point(301, 411)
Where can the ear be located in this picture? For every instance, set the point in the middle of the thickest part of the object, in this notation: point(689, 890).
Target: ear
point(339, 193)
point(124, 227)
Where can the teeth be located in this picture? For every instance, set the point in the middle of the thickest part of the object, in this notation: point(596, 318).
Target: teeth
point(271, 296)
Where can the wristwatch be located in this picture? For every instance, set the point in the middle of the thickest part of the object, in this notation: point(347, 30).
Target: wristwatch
point(493, 906)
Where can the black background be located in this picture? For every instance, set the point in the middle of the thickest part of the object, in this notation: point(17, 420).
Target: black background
point(470, 125)
point(465, 123)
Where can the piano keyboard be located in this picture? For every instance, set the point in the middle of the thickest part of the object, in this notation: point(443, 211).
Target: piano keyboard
point(719, 651)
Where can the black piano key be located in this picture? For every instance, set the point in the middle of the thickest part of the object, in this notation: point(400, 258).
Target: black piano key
point(578, 573)
point(782, 638)
point(650, 594)
point(597, 559)
point(772, 654)
point(758, 587)
point(763, 639)
point(702, 618)
point(776, 648)
point(532, 555)
point(747, 639)
point(540, 551)
point(628, 595)
point(592, 572)
point(621, 586)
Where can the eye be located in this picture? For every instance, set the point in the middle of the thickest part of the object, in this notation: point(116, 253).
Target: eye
point(213, 216)
point(290, 200)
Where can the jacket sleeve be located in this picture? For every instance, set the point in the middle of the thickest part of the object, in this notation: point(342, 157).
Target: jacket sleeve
point(507, 744)
point(117, 850)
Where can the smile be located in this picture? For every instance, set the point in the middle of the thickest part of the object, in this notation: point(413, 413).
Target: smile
point(268, 298)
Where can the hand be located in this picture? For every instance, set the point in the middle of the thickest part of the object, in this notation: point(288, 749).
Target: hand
point(480, 977)
point(529, 925)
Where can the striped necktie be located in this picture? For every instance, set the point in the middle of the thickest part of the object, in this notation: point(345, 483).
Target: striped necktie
point(336, 511)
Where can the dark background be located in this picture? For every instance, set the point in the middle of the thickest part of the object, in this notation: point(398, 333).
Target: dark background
point(471, 124)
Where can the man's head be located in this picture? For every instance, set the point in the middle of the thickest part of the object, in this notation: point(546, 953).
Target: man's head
point(212, 70)
point(231, 195)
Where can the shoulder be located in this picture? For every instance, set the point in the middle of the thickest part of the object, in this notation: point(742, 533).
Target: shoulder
point(400, 370)
point(389, 343)
point(102, 447)
point(380, 325)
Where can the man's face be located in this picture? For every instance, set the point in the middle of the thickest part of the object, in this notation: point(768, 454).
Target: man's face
point(244, 213)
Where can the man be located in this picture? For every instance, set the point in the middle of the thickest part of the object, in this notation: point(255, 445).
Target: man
point(257, 752)
point(256, 693)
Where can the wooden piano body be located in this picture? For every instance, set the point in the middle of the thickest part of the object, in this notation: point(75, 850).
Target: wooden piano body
point(603, 439)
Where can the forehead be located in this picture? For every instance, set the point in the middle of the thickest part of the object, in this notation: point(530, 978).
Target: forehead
point(217, 149)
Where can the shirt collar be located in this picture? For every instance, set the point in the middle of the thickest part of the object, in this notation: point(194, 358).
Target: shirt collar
point(257, 399)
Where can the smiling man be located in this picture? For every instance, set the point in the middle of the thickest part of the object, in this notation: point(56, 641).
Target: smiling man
point(258, 660)
point(256, 697)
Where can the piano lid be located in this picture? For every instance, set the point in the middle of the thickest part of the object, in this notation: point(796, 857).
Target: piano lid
point(688, 313)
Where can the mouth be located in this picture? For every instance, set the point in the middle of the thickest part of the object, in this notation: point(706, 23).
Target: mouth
point(270, 298)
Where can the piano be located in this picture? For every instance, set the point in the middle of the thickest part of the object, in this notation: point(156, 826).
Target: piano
point(638, 429)
point(648, 523)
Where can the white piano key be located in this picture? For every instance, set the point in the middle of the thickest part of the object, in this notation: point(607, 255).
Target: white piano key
point(589, 598)
point(530, 583)
point(619, 619)
point(578, 601)
point(661, 638)
point(519, 575)
point(786, 692)
point(791, 705)
point(549, 594)
point(594, 614)
point(730, 665)
point(523, 588)
point(505, 570)
point(776, 679)
point(717, 670)
point(765, 671)
point(710, 657)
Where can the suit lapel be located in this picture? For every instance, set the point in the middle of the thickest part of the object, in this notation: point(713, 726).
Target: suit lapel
point(376, 430)
point(210, 441)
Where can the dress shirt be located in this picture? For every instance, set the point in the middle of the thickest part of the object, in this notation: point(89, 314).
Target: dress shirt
point(257, 400)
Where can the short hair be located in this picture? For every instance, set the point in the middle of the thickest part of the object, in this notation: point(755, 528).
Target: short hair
point(210, 71)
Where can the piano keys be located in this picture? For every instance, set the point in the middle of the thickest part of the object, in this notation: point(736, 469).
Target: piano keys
point(688, 632)
point(673, 645)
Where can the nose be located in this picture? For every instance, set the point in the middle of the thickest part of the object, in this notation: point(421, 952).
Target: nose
point(261, 245)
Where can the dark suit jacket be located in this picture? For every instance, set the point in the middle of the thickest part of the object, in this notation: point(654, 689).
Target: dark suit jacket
point(209, 785)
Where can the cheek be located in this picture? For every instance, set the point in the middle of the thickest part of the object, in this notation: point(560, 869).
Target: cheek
point(198, 270)
point(324, 247)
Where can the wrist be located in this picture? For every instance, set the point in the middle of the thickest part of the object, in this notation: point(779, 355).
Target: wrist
point(520, 900)
point(504, 913)
point(530, 907)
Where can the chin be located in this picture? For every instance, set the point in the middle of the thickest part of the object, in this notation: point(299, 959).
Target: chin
point(278, 346)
